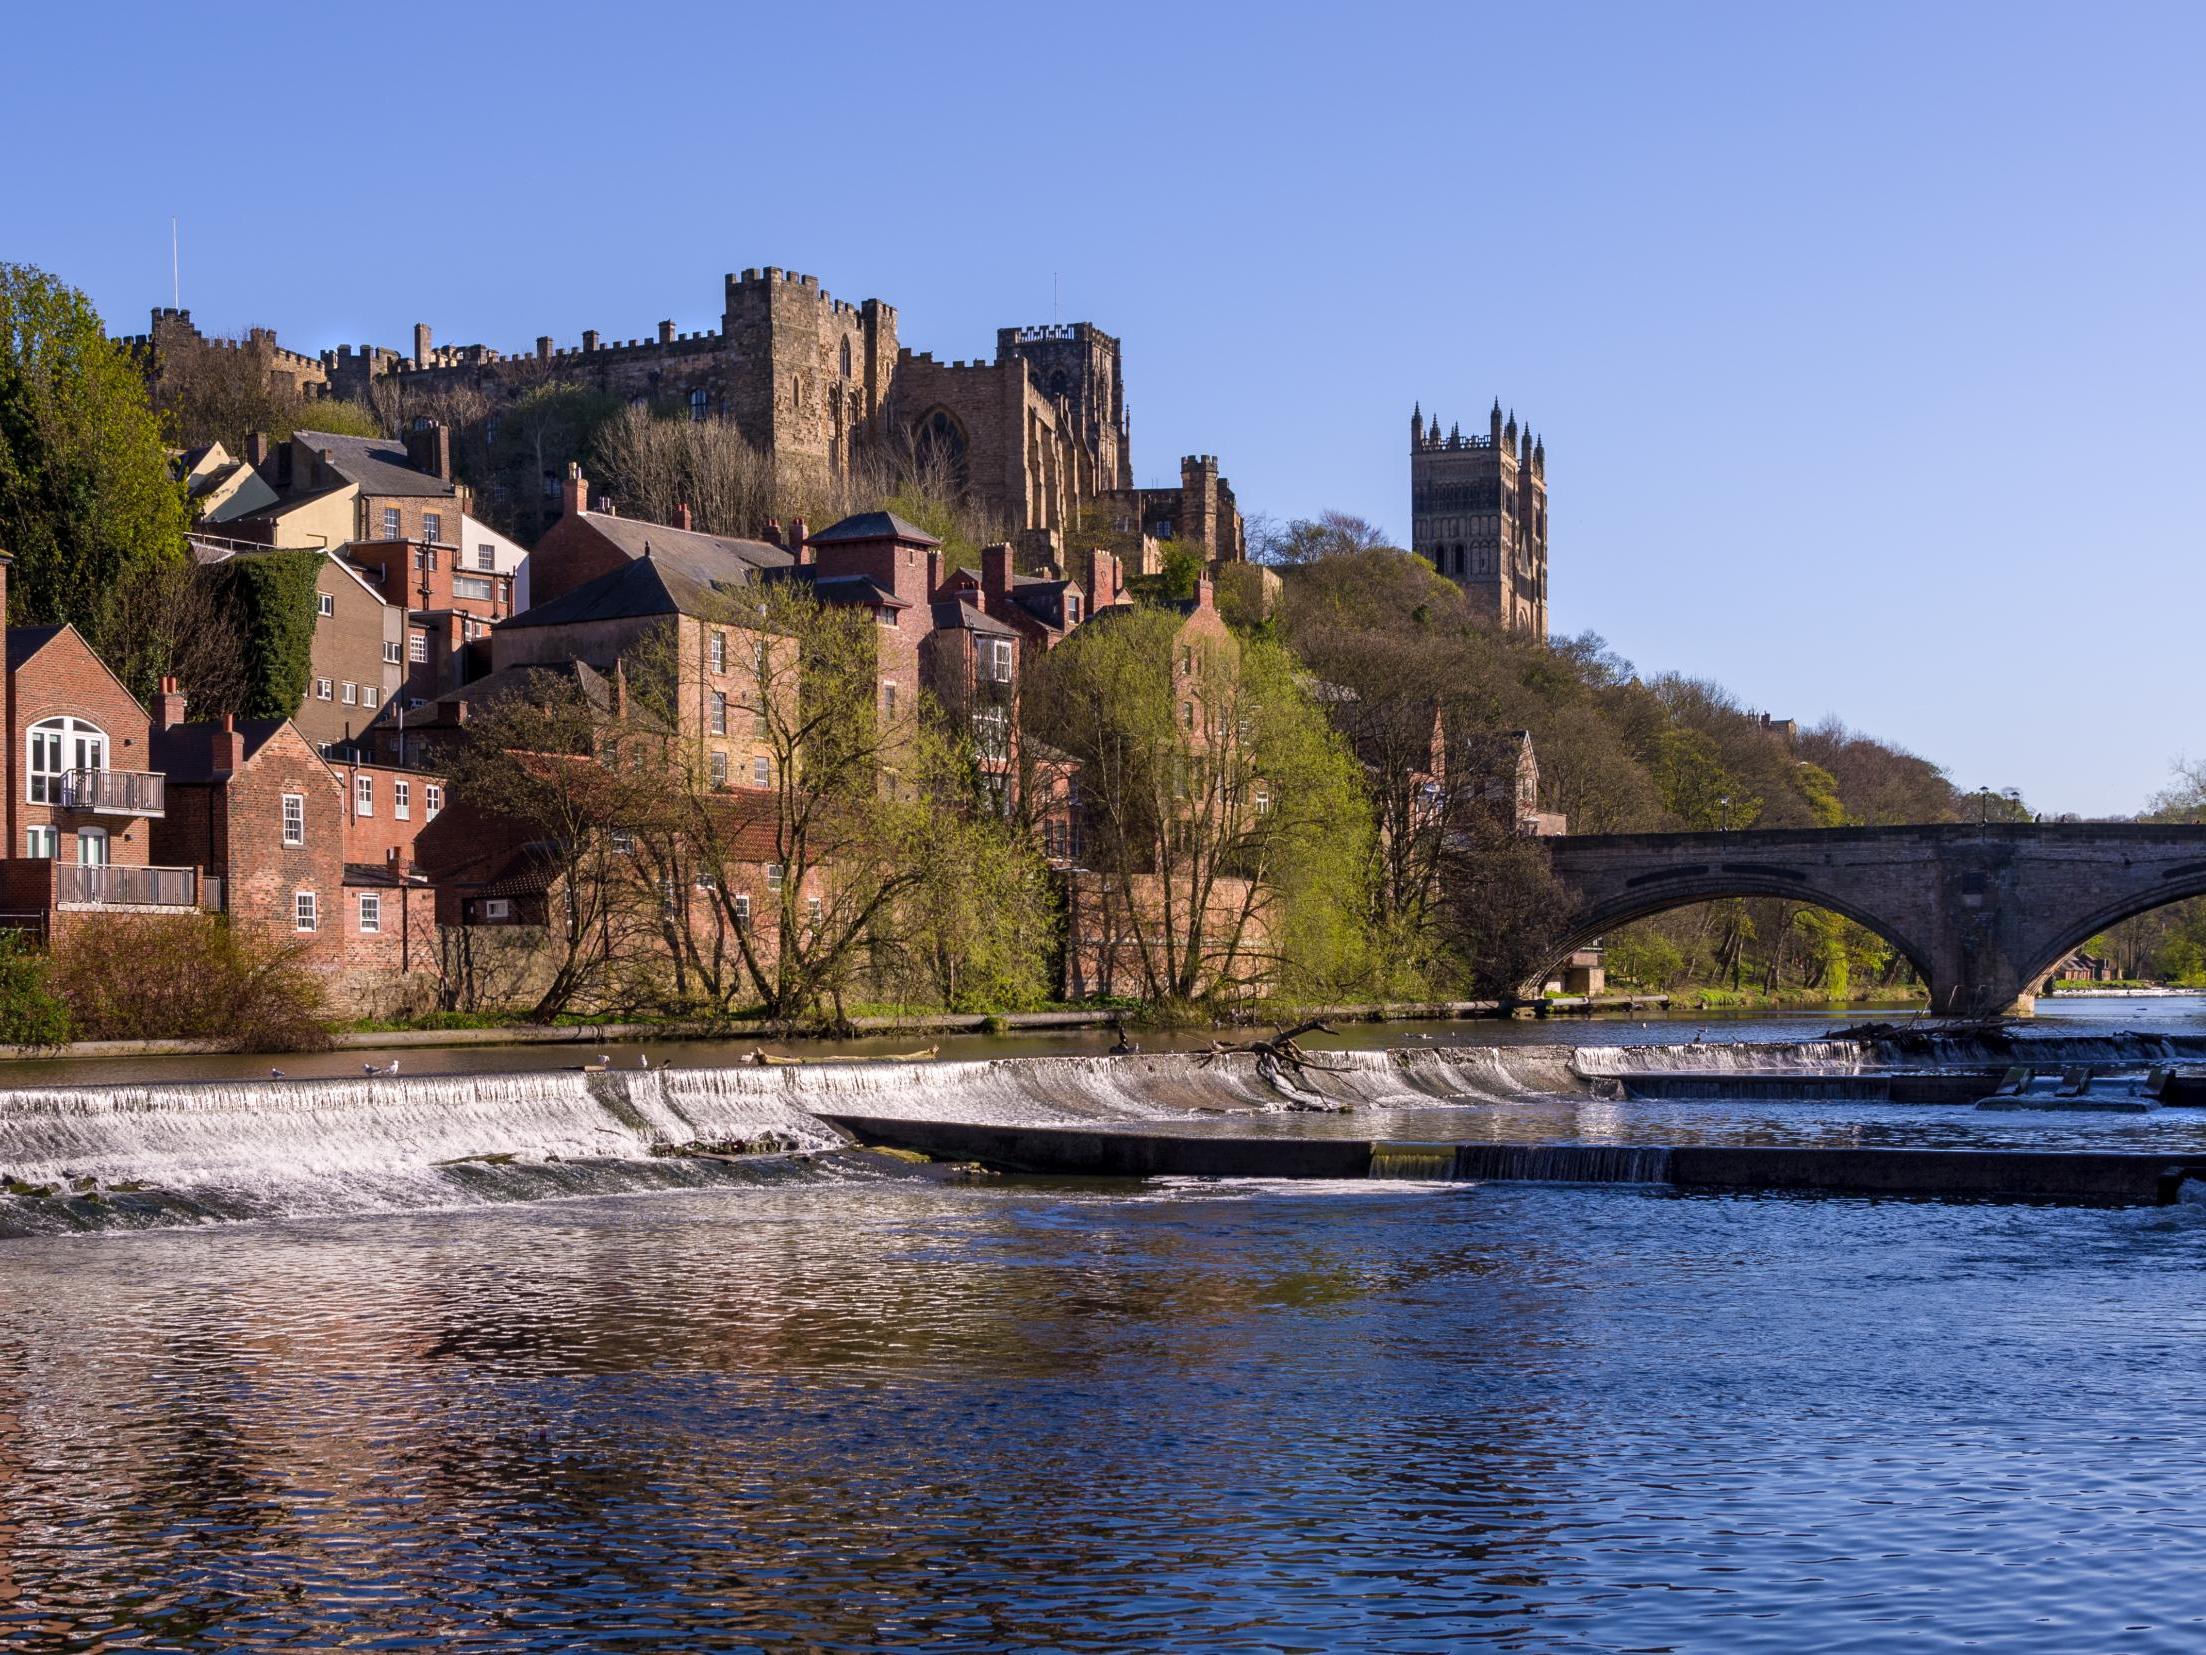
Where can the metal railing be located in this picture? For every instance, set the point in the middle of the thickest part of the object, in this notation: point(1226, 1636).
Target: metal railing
point(114, 792)
point(109, 885)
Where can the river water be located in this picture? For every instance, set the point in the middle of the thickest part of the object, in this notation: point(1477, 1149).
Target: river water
point(837, 1408)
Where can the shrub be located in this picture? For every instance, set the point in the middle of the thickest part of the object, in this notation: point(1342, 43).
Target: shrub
point(189, 977)
point(31, 1014)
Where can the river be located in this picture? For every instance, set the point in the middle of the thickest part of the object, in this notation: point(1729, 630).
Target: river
point(835, 1408)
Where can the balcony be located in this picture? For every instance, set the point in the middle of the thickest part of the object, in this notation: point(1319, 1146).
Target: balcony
point(112, 886)
point(114, 792)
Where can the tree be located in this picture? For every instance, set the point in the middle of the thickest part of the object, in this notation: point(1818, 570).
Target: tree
point(1307, 539)
point(226, 389)
point(86, 498)
point(1221, 812)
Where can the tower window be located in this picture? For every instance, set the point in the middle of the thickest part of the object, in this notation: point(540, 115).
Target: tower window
point(700, 404)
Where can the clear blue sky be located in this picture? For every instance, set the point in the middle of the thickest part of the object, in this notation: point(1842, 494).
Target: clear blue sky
point(1866, 339)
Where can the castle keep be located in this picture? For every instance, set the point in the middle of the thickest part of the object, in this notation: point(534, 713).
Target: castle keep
point(1037, 437)
point(1478, 514)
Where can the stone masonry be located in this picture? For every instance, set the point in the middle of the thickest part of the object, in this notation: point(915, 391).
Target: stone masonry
point(1478, 514)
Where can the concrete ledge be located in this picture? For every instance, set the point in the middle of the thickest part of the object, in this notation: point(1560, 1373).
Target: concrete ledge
point(2073, 1177)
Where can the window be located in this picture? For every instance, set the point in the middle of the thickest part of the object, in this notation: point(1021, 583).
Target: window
point(719, 769)
point(294, 818)
point(719, 713)
point(742, 910)
point(762, 772)
point(719, 652)
point(1263, 802)
point(323, 689)
point(363, 795)
point(351, 696)
point(758, 724)
point(700, 404)
point(371, 913)
point(773, 876)
point(474, 587)
point(367, 695)
point(390, 654)
point(1072, 609)
point(42, 842)
point(325, 605)
point(305, 915)
point(888, 700)
point(998, 662)
point(846, 356)
point(992, 733)
point(432, 801)
point(707, 882)
point(1187, 659)
point(624, 844)
point(92, 847)
point(432, 529)
point(402, 799)
point(58, 746)
point(812, 912)
point(391, 529)
point(1187, 715)
point(417, 647)
point(496, 907)
point(758, 657)
point(486, 555)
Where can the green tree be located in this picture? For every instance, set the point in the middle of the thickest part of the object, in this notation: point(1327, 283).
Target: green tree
point(87, 501)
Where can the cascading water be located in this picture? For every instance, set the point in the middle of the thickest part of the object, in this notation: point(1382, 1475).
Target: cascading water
point(1565, 1163)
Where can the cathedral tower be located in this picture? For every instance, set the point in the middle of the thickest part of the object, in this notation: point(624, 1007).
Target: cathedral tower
point(1478, 514)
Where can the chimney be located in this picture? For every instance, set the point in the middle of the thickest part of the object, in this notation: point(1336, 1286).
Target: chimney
point(256, 449)
point(934, 571)
point(995, 570)
point(682, 517)
point(666, 333)
point(576, 493)
point(168, 706)
point(228, 747)
point(773, 533)
point(421, 344)
point(429, 448)
point(798, 535)
point(1204, 594)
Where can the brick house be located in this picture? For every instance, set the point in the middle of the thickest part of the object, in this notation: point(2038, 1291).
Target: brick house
point(333, 490)
point(84, 794)
point(585, 545)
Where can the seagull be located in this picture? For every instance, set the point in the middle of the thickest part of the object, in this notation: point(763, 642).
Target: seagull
point(275, 1074)
point(390, 1068)
point(643, 1060)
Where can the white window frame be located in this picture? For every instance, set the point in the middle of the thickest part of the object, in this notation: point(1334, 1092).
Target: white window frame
point(55, 746)
point(42, 843)
point(719, 712)
point(774, 876)
point(742, 910)
point(349, 693)
point(432, 800)
point(762, 771)
point(294, 819)
point(393, 529)
point(390, 653)
point(719, 764)
point(999, 660)
point(324, 690)
point(325, 605)
point(363, 795)
point(417, 648)
point(367, 695)
point(486, 556)
point(474, 588)
point(402, 799)
point(432, 529)
point(497, 907)
point(371, 913)
point(306, 912)
point(719, 652)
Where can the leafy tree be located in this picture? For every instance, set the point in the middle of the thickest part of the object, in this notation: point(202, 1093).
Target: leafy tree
point(31, 1014)
point(86, 497)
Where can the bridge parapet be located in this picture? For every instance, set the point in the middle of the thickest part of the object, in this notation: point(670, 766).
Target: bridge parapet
point(1983, 912)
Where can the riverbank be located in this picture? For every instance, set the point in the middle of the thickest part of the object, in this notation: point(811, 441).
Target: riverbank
point(924, 1023)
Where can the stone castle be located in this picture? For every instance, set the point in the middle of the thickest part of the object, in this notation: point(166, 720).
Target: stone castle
point(1037, 438)
point(1478, 514)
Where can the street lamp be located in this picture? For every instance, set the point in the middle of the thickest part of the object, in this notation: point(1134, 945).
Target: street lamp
point(1724, 804)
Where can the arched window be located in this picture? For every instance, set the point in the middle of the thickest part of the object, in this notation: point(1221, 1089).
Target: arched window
point(58, 746)
point(1060, 384)
point(846, 356)
point(700, 404)
point(939, 449)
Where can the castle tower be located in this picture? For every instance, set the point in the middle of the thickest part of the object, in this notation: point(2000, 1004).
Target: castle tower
point(1478, 514)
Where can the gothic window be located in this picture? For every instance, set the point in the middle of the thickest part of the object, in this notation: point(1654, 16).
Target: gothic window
point(846, 358)
point(938, 444)
point(1060, 384)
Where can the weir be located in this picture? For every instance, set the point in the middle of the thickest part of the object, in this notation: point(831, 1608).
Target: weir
point(302, 1146)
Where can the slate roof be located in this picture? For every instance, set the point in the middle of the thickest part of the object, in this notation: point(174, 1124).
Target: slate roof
point(669, 580)
point(26, 641)
point(522, 681)
point(957, 614)
point(378, 464)
point(185, 752)
point(636, 537)
point(873, 525)
point(855, 589)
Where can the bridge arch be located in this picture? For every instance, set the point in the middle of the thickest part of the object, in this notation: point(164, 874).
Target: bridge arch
point(1666, 894)
point(2179, 884)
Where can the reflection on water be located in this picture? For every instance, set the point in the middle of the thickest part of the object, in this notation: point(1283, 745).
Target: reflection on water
point(1195, 1417)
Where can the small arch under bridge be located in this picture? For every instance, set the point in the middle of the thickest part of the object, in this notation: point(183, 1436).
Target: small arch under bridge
point(1984, 913)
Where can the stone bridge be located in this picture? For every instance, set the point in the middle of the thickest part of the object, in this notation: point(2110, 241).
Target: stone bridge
point(1983, 912)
